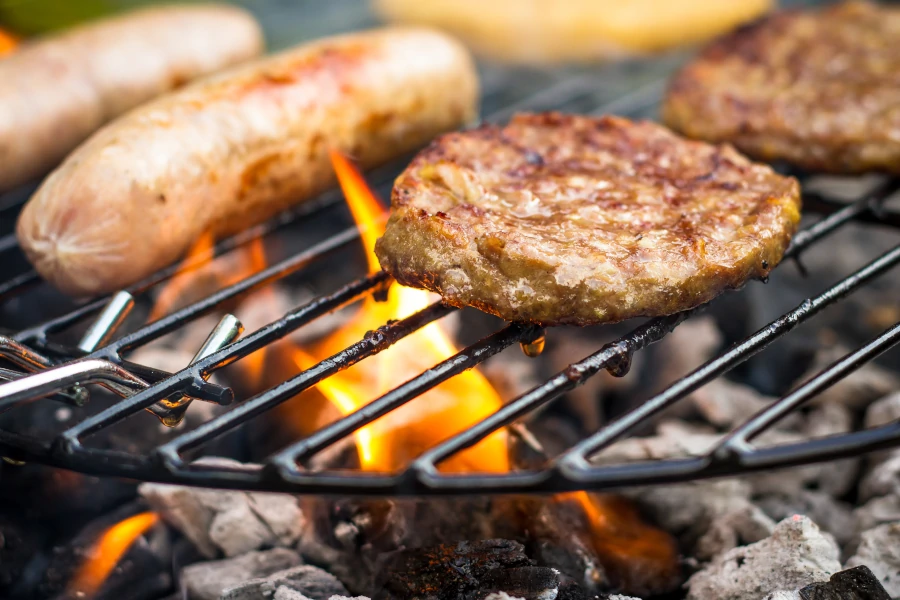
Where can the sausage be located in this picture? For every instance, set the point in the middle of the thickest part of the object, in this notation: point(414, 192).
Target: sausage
point(235, 149)
point(56, 91)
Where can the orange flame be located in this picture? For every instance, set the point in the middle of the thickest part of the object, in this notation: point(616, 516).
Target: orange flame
point(631, 549)
point(254, 364)
point(177, 287)
point(106, 552)
point(8, 43)
point(197, 277)
point(389, 443)
point(200, 274)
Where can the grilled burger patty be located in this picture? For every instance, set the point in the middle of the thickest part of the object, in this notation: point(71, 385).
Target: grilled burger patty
point(568, 219)
point(818, 89)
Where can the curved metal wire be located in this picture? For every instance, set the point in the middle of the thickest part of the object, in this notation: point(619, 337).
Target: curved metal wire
point(284, 471)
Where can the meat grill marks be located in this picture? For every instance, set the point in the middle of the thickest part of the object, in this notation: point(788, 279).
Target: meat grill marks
point(567, 219)
point(820, 90)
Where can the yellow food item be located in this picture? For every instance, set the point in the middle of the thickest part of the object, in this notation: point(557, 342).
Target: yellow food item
point(7, 43)
point(545, 31)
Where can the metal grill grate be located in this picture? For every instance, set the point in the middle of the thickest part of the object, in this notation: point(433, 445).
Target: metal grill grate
point(143, 388)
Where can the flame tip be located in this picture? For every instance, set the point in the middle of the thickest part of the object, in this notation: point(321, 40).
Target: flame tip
point(388, 443)
point(107, 550)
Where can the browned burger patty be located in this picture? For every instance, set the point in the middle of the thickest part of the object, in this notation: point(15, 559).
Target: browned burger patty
point(568, 219)
point(818, 89)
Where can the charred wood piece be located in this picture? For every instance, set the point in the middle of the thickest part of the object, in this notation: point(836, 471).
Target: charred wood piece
point(858, 583)
point(464, 571)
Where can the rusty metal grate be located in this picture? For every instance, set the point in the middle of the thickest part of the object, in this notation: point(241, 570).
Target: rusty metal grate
point(62, 372)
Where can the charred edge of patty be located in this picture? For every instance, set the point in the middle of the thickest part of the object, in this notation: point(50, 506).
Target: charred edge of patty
point(419, 273)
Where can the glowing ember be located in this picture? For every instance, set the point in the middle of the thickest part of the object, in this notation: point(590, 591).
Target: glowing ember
point(106, 552)
point(8, 43)
point(632, 551)
point(392, 441)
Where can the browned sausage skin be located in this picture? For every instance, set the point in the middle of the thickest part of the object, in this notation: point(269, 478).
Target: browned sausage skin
point(56, 91)
point(237, 148)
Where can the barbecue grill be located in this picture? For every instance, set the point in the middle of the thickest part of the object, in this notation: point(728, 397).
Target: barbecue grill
point(56, 373)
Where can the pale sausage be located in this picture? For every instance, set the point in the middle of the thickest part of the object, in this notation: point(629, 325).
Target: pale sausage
point(56, 91)
point(237, 148)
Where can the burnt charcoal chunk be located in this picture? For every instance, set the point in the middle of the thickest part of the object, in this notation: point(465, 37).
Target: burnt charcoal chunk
point(858, 583)
point(18, 544)
point(522, 582)
point(464, 571)
point(311, 582)
point(570, 590)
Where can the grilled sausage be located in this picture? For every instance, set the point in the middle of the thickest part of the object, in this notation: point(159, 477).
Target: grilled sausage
point(57, 91)
point(237, 148)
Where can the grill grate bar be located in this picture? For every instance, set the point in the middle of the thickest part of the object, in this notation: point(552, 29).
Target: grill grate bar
point(733, 456)
point(616, 354)
point(634, 102)
point(570, 471)
point(45, 383)
point(227, 355)
point(738, 440)
point(19, 283)
point(876, 215)
point(555, 97)
point(284, 470)
point(8, 242)
point(868, 206)
point(466, 359)
point(256, 281)
point(380, 339)
point(728, 360)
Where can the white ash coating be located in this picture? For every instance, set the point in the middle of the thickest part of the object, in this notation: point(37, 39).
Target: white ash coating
point(858, 389)
point(877, 511)
point(833, 516)
point(884, 410)
point(783, 595)
point(882, 480)
point(501, 596)
point(230, 521)
point(796, 554)
point(286, 593)
point(879, 549)
point(305, 580)
point(726, 404)
point(207, 580)
point(734, 527)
